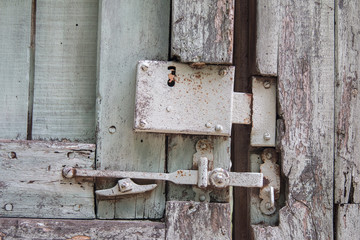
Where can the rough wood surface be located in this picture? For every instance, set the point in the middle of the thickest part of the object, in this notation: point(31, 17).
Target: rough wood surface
point(347, 221)
point(306, 106)
point(264, 37)
point(202, 31)
point(31, 182)
point(200, 221)
point(11, 228)
point(65, 70)
point(129, 31)
point(347, 103)
point(181, 149)
point(15, 19)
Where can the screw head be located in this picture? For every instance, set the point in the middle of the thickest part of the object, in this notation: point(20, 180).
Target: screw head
point(267, 84)
point(202, 198)
point(144, 67)
point(223, 72)
point(112, 129)
point(218, 128)
point(12, 155)
point(267, 136)
point(208, 125)
point(169, 108)
point(68, 172)
point(219, 178)
point(142, 123)
point(8, 207)
point(124, 186)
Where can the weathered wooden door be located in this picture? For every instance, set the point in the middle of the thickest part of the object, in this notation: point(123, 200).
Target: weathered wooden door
point(67, 97)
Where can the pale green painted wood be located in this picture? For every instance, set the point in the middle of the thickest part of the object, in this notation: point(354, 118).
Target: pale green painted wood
point(31, 183)
point(129, 31)
point(65, 70)
point(181, 149)
point(15, 28)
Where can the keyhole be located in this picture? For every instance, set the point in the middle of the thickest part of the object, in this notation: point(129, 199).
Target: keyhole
point(171, 76)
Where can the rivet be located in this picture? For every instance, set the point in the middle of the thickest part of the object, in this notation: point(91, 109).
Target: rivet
point(218, 128)
point(202, 198)
point(112, 129)
point(267, 136)
point(267, 84)
point(68, 172)
point(8, 207)
point(142, 123)
point(169, 108)
point(70, 155)
point(12, 155)
point(223, 72)
point(77, 207)
point(208, 125)
point(144, 67)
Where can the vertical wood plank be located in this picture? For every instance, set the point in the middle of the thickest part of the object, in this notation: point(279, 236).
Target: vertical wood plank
point(264, 37)
point(202, 31)
point(347, 221)
point(31, 183)
point(129, 31)
point(241, 133)
point(306, 102)
point(347, 103)
point(15, 31)
point(65, 70)
point(198, 221)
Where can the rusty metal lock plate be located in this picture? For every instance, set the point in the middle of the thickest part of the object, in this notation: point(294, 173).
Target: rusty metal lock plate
point(177, 98)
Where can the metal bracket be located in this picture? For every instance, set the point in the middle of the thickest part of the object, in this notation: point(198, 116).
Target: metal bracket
point(178, 98)
point(271, 188)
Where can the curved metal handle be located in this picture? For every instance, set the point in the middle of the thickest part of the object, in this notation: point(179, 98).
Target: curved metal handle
point(125, 187)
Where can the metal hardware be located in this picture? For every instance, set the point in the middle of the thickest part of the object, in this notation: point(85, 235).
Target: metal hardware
point(185, 177)
point(125, 187)
point(271, 189)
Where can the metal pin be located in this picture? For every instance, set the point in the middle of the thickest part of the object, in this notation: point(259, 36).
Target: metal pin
point(267, 136)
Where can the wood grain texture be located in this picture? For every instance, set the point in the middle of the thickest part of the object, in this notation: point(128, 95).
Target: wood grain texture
point(202, 31)
point(181, 149)
point(347, 221)
point(200, 221)
point(32, 184)
point(11, 228)
point(15, 19)
point(347, 103)
point(129, 31)
point(65, 70)
point(264, 38)
point(306, 106)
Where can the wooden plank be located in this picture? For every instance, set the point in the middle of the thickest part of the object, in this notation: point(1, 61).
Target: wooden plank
point(129, 31)
point(306, 106)
point(181, 149)
point(347, 103)
point(65, 70)
point(15, 31)
point(190, 220)
point(32, 184)
point(347, 221)
point(264, 37)
point(11, 228)
point(202, 31)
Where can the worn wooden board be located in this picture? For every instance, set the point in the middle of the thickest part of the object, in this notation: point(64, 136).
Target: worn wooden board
point(11, 228)
point(181, 149)
point(347, 103)
point(190, 220)
point(202, 31)
point(32, 184)
point(129, 31)
point(306, 106)
point(65, 70)
point(347, 221)
point(264, 37)
point(15, 31)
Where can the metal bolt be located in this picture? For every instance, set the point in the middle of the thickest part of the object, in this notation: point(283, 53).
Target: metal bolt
point(142, 123)
point(68, 172)
point(219, 178)
point(144, 67)
point(202, 198)
point(169, 108)
point(208, 125)
point(8, 207)
point(222, 72)
point(267, 84)
point(218, 128)
point(125, 186)
point(112, 129)
point(267, 136)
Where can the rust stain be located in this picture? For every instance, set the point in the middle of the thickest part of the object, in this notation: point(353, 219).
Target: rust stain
point(79, 237)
